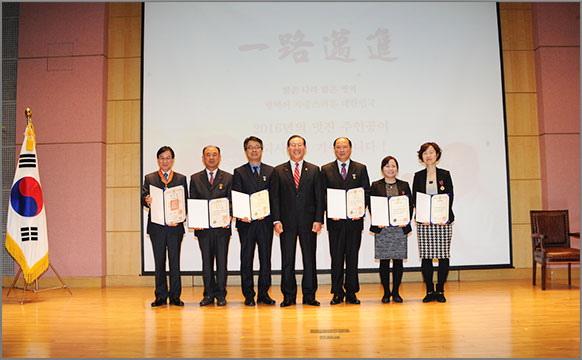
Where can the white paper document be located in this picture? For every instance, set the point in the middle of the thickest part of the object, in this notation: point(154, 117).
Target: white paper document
point(432, 209)
point(219, 212)
point(355, 203)
point(399, 210)
point(198, 214)
point(346, 204)
point(336, 203)
point(168, 206)
point(379, 211)
point(260, 206)
point(241, 205)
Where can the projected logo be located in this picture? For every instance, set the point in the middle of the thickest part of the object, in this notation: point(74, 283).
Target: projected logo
point(26, 197)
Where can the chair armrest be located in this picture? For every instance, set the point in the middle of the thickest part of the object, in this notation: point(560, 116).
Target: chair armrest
point(576, 235)
point(537, 240)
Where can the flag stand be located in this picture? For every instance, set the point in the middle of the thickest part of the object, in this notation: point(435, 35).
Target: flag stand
point(36, 288)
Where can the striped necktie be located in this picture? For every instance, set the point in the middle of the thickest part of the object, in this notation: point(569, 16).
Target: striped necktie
point(296, 175)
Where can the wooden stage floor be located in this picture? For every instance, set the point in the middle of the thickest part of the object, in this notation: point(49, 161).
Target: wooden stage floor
point(499, 319)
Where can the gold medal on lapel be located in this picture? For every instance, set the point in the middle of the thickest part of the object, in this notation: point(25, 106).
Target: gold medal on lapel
point(442, 188)
point(264, 178)
point(219, 186)
point(354, 176)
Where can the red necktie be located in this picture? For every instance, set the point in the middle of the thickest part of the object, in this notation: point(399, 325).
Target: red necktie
point(211, 178)
point(296, 175)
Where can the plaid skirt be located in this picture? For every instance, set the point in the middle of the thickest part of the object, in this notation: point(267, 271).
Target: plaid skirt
point(434, 241)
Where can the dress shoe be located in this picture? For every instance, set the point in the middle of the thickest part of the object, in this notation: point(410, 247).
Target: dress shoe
point(159, 302)
point(222, 302)
point(396, 298)
point(266, 300)
point(337, 299)
point(440, 297)
point(429, 297)
point(250, 301)
point(386, 299)
point(352, 299)
point(311, 302)
point(287, 302)
point(207, 301)
point(176, 302)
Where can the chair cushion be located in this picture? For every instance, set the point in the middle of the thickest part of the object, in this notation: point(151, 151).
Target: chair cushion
point(559, 254)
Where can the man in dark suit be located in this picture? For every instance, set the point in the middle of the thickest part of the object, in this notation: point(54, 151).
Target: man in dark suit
point(345, 235)
point(212, 183)
point(165, 236)
point(249, 178)
point(297, 210)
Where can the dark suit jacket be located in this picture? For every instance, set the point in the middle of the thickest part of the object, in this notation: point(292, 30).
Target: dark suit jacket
point(444, 186)
point(297, 208)
point(200, 189)
point(245, 181)
point(357, 176)
point(155, 180)
point(379, 189)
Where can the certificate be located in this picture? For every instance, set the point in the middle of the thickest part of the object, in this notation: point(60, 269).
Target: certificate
point(168, 205)
point(207, 214)
point(260, 207)
point(355, 203)
point(379, 211)
point(336, 203)
point(439, 211)
point(253, 207)
point(432, 209)
point(399, 210)
point(219, 212)
point(198, 214)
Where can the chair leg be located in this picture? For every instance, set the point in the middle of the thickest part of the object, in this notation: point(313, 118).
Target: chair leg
point(569, 275)
point(543, 276)
point(534, 266)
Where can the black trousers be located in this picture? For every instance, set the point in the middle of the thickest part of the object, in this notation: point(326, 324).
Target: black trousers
point(258, 234)
point(344, 246)
point(169, 238)
point(214, 248)
point(397, 270)
point(308, 243)
point(442, 273)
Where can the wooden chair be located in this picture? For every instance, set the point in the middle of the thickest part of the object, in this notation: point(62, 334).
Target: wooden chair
point(550, 234)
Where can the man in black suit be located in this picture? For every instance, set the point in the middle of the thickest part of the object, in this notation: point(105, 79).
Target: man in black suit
point(297, 210)
point(249, 178)
point(345, 235)
point(165, 236)
point(212, 183)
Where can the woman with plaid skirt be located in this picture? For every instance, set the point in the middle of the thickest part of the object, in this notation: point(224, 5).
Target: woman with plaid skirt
point(434, 240)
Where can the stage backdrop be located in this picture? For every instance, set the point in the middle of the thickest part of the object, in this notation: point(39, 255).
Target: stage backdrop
point(390, 76)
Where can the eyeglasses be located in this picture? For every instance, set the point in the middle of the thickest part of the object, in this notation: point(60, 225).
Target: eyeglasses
point(254, 147)
point(165, 158)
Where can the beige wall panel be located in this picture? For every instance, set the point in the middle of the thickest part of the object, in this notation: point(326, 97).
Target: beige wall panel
point(495, 274)
point(514, 5)
point(522, 114)
point(519, 70)
point(117, 9)
point(123, 121)
point(524, 157)
point(516, 29)
point(124, 79)
point(124, 253)
point(526, 195)
point(124, 37)
point(123, 209)
point(123, 165)
point(521, 241)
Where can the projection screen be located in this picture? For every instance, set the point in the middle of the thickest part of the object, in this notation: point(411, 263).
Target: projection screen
point(390, 76)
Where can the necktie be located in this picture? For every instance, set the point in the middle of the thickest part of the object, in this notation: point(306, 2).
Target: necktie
point(296, 175)
point(344, 171)
point(211, 178)
point(256, 171)
point(166, 176)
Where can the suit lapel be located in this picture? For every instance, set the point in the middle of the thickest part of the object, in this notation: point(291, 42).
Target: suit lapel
point(351, 171)
point(337, 174)
point(289, 171)
point(252, 176)
point(304, 172)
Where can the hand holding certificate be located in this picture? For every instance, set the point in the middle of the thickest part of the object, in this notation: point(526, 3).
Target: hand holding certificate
point(346, 204)
point(168, 205)
point(207, 214)
point(393, 211)
point(253, 207)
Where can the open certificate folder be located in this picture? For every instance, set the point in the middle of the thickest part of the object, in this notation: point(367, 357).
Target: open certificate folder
point(346, 204)
point(392, 211)
point(254, 206)
point(432, 209)
point(207, 214)
point(168, 205)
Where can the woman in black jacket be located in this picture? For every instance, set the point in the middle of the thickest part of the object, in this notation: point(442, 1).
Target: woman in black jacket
point(434, 240)
point(391, 242)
